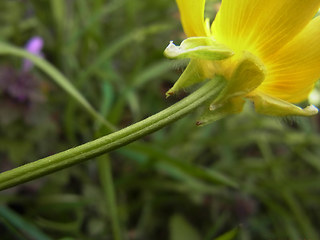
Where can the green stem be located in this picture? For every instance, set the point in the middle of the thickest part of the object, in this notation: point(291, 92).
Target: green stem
point(105, 174)
point(114, 140)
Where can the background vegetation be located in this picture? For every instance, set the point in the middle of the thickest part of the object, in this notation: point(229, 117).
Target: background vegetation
point(248, 172)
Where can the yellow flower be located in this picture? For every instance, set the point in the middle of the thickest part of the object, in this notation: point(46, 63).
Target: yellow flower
point(268, 51)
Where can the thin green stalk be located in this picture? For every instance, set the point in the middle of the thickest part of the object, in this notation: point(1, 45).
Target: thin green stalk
point(59, 78)
point(105, 174)
point(114, 140)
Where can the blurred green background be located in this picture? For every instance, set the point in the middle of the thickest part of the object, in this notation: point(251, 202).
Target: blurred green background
point(253, 175)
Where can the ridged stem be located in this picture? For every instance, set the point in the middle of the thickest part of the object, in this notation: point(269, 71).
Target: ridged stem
point(115, 140)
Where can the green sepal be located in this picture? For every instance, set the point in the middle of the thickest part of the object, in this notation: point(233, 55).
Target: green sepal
point(192, 74)
point(247, 76)
point(268, 105)
point(198, 48)
point(216, 112)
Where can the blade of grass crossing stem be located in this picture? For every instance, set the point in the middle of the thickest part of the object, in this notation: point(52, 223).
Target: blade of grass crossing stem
point(106, 180)
point(62, 81)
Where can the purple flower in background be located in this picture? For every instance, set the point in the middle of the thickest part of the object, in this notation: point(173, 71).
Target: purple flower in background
point(33, 46)
point(21, 95)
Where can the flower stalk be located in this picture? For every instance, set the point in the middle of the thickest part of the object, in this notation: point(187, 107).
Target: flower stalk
point(45, 166)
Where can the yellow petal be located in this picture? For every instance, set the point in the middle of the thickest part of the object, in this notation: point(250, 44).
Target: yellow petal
point(192, 17)
point(272, 106)
point(261, 26)
point(293, 70)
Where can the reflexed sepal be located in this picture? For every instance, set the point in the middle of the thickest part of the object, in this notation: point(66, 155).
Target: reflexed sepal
point(267, 105)
point(216, 112)
point(199, 48)
point(192, 75)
